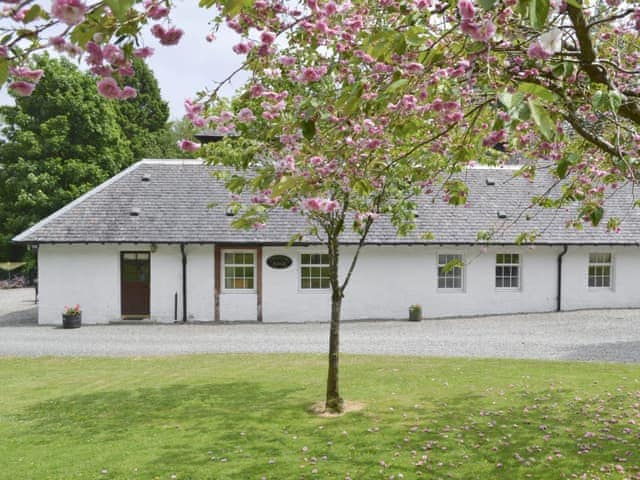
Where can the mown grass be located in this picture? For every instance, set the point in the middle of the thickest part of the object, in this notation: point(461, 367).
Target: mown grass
point(247, 417)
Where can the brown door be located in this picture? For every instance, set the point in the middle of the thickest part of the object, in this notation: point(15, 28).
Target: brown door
point(135, 270)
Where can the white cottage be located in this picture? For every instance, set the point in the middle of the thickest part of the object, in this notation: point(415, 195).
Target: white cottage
point(155, 242)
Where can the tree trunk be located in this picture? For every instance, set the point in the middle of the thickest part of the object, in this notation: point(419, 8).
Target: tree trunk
point(334, 401)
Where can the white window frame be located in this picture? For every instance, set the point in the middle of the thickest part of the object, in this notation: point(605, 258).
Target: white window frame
point(600, 264)
point(224, 271)
point(301, 265)
point(511, 264)
point(462, 273)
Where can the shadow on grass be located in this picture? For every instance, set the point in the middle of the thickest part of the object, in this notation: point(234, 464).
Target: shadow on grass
point(513, 434)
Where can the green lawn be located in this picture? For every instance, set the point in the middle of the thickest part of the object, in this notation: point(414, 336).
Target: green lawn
point(246, 417)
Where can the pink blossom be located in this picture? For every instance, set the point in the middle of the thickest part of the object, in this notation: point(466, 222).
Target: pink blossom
point(26, 73)
point(127, 93)
point(413, 68)
point(155, 11)
point(245, 115)
point(234, 25)
point(193, 108)
point(95, 53)
point(267, 37)
point(22, 88)
point(19, 15)
point(70, 12)
point(226, 116)
point(536, 50)
point(113, 54)
point(286, 60)
point(321, 205)
point(102, 70)
point(59, 43)
point(4, 51)
point(466, 9)
point(484, 32)
point(241, 48)
point(188, 145)
point(107, 87)
point(167, 37)
point(143, 52)
point(313, 74)
point(126, 71)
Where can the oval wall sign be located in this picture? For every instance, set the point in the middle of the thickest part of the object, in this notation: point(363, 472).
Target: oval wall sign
point(279, 261)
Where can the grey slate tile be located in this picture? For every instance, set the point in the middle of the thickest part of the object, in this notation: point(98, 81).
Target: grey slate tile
point(173, 207)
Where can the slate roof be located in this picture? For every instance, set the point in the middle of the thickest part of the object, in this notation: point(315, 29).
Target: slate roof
point(173, 207)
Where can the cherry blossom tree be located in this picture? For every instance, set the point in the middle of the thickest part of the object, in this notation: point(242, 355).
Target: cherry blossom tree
point(354, 108)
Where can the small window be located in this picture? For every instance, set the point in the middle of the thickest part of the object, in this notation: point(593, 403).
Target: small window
point(507, 270)
point(239, 270)
point(600, 270)
point(314, 271)
point(450, 271)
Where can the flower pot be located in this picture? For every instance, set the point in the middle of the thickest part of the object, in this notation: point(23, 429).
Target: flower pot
point(71, 321)
point(415, 314)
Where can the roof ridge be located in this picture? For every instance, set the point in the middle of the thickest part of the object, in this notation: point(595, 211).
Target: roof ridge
point(172, 161)
point(20, 237)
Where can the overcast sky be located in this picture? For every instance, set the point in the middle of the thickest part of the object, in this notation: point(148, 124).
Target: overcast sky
point(193, 64)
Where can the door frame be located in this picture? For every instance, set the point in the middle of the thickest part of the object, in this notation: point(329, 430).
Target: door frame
point(122, 285)
point(217, 289)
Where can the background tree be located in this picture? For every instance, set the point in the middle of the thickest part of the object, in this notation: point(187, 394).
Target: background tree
point(58, 143)
point(144, 118)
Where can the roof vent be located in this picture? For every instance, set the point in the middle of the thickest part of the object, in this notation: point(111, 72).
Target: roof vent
point(501, 214)
point(146, 177)
point(135, 212)
point(490, 181)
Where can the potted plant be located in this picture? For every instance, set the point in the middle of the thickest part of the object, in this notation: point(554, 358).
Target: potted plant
point(72, 317)
point(415, 312)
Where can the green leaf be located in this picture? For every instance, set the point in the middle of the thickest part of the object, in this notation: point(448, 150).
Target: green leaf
point(308, 128)
point(398, 84)
point(538, 13)
point(511, 100)
point(233, 7)
point(4, 70)
point(414, 37)
point(352, 102)
point(362, 187)
point(32, 14)
point(595, 215)
point(539, 91)
point(542, 119)
point(565, 163)
point(119, 7)
point(236, 183)
point(487, 4)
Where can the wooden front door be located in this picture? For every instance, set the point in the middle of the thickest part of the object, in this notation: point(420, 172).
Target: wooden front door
point(135, 271)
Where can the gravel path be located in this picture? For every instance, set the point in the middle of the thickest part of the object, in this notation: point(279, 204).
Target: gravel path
point(600, 335)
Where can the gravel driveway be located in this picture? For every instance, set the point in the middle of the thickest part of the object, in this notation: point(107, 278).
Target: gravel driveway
point(601, 335)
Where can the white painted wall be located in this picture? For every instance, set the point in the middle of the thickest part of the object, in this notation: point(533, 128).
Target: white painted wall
point(88, 275)
point(625, 288)
point(166, 281)
point(386, 281)
point(200, 283)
